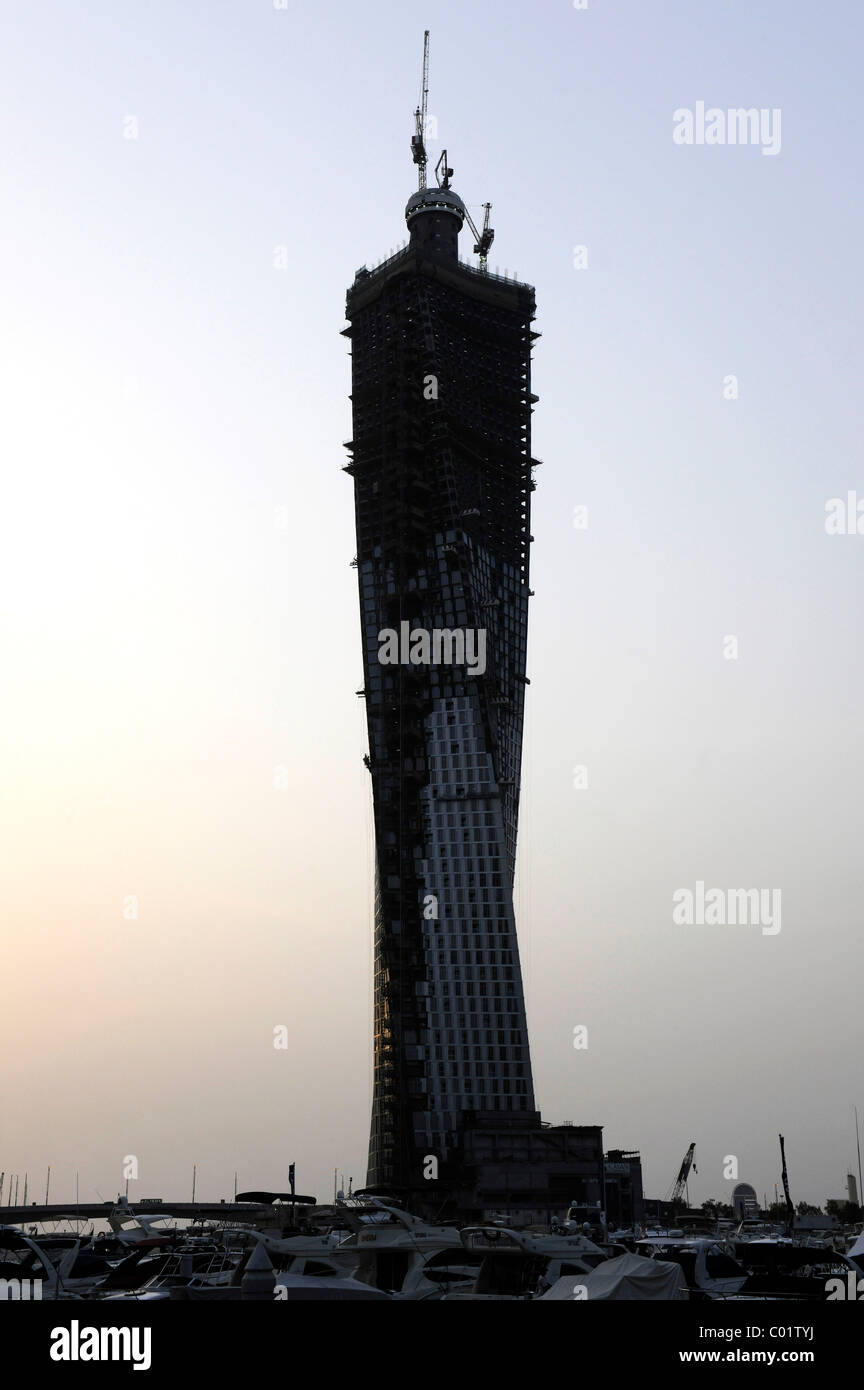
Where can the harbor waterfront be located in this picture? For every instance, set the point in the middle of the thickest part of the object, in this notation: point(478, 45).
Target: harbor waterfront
point(280, 1248)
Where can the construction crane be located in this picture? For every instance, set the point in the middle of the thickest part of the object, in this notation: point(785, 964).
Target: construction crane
point(418, 139)
point(443, 173)
point(482, 240)
point(679, 1188)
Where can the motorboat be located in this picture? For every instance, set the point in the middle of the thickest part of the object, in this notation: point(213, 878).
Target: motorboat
point(626, 1278)
point(513, 1264)
point(710, 1270)
point(390, 1249)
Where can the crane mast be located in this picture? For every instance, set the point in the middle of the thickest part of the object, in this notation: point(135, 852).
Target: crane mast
point(418, 139)
point(482, 240)
point(680, 1186)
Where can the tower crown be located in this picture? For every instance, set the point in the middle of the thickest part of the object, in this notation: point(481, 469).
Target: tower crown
point(435, 217)
point(436, 200)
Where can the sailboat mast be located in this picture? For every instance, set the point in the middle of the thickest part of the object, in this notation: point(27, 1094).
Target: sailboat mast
point(790, 1210)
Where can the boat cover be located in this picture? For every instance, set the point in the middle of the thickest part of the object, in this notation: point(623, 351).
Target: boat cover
point(629, 1277)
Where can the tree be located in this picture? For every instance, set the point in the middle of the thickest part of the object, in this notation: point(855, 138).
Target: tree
point(715, 1209)
point(846, 1212)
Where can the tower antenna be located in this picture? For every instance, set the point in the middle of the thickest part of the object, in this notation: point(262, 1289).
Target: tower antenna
point(418, 139)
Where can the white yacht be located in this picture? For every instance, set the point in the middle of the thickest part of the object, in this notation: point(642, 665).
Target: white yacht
point(385, 1248)
point(515, 1264)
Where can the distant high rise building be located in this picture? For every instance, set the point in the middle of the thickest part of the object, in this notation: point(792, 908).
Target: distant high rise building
point(442, 469)
point(745, 1203)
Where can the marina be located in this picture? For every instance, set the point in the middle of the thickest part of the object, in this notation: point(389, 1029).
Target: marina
point(364, 1247)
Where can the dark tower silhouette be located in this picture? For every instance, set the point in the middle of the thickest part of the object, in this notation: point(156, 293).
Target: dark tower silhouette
point(442, 469)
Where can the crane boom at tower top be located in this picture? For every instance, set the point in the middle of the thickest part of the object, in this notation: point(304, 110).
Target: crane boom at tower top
point(484, 237)
point(418, 139)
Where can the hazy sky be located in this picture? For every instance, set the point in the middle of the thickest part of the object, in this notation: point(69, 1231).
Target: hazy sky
point(188, 191)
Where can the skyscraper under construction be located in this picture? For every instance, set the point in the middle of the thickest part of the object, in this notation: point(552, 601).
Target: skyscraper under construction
point(443, 476)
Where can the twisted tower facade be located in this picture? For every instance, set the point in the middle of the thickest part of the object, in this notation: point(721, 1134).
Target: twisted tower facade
point(442, 470)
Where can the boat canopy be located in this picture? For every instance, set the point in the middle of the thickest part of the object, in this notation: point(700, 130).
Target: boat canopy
point(626, 1278)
